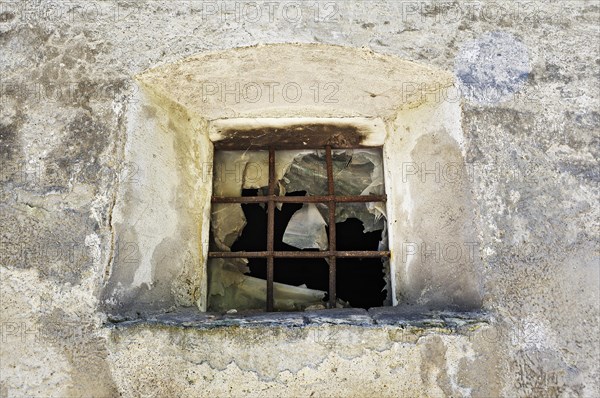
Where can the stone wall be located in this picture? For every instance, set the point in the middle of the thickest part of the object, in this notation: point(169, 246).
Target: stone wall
point(528, 73)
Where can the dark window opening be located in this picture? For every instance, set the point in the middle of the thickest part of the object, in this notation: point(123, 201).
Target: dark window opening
point(349, 269)
point(360, 281)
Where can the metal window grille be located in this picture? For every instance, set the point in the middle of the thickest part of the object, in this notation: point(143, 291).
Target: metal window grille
point(270, 254)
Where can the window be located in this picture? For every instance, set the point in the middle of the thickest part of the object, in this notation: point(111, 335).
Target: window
point(327, 186)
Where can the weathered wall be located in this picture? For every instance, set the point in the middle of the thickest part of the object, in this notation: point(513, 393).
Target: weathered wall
point(531, 121)
point(159, 212)
point(433, 229)
point(328, 360)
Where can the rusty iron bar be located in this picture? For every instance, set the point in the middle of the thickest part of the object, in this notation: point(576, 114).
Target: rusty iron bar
point(300, 199)
point(271, 231)
point(302, 254)
point(332, 237)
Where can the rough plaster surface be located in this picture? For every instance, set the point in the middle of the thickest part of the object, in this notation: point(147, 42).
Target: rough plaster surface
point(67, 90)
point(402, 361)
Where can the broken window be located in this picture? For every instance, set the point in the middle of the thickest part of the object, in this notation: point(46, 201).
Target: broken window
point(298, 229)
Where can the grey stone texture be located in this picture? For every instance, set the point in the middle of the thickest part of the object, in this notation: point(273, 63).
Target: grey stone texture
point(531, 121)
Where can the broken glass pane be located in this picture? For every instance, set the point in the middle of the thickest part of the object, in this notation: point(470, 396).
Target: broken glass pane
point(372, 215)
point(307, 171)
point(353, 171)
point(350, 235)
point(296, 298)
point(306, 229)
point(256, 172)
point(237, 170)
point(229, 288)
point(227, 223)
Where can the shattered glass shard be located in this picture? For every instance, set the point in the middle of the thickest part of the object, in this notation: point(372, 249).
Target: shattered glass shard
point(307, 172)
point(231, 289)
point(306, 229)
point(228, 171)
point(369, 213)
point(355, 172)
point(351, 173)
point(227, 223)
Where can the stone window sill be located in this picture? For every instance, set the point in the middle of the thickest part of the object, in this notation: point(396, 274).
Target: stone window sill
point(403, 317)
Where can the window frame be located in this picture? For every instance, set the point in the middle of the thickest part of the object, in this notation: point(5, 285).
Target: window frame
point(331, 199)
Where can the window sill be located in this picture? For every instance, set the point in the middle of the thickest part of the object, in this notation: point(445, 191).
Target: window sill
point(402, 317)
